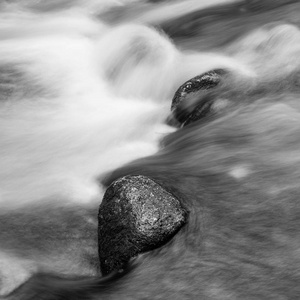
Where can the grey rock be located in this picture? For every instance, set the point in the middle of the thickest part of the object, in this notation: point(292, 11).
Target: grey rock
point(191, 101)
point(136, 215)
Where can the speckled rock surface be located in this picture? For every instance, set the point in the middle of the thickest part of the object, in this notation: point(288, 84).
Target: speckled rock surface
point(135, 216)
point(189, 103)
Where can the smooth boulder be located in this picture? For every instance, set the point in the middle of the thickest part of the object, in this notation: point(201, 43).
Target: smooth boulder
point(193, 100)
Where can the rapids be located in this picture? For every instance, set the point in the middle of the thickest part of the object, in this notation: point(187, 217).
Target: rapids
point(80, 97)
point(85, 97)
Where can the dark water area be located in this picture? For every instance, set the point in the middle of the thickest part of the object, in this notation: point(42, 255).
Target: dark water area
point(200, 96)
point(218, 26)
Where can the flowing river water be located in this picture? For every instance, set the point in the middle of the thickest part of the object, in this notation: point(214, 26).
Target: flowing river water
point(87, 86)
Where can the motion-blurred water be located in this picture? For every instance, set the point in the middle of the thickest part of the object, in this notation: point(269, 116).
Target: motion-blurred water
point(79, 96)
point(87, 86)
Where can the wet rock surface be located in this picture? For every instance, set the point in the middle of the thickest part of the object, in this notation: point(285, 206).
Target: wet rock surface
point(136, 215)
point(192, 101)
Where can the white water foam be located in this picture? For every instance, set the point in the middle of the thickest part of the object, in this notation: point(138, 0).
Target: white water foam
point(82, 98)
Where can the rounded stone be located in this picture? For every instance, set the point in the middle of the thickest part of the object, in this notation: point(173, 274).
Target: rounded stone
point(136, 215)
point(191, 101)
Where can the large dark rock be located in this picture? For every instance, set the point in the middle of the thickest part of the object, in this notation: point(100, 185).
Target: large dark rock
point(135, 216)
point(192, 101)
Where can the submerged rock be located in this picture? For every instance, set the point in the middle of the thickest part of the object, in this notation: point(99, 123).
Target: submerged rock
point(191, 101)
point(135, 216)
